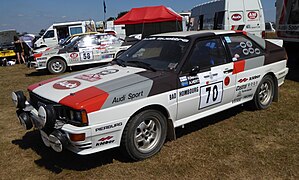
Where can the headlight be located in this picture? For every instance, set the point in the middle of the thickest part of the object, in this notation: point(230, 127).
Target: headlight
point(79, 116)
point(47, 118)
point(18, 99)
point(57, 140)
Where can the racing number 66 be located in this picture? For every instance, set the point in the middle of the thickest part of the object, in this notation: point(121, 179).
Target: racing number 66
point(211, 94)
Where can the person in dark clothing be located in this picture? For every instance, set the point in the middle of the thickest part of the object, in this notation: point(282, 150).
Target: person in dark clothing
point(19, 49)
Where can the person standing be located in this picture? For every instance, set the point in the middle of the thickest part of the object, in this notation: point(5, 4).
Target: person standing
point(19, 49)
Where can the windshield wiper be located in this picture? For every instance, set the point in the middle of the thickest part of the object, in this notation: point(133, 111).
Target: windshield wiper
point(120, 62)
point(143, 65)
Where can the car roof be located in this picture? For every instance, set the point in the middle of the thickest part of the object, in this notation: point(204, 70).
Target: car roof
point(86, 33)
point(202, 33)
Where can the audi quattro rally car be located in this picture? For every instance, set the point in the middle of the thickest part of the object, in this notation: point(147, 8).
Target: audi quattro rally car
point(160, 83)
point(87, 49)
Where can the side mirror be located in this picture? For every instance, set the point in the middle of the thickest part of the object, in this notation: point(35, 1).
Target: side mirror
point(194, 71)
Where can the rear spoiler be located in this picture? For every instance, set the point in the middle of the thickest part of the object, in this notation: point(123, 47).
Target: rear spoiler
point(278, 42)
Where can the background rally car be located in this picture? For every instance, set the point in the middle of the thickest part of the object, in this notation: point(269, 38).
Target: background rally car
point(160, 83)
point(86, 49)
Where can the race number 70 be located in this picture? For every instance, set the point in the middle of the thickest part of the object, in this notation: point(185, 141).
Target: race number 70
point(211, 94)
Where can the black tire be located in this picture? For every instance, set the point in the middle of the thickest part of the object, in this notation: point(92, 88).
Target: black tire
point(144, 135)
point(264, 94)
point(56, 66)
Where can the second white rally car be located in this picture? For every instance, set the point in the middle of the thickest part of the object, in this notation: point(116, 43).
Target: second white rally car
point(82, 50)
point(160, 83)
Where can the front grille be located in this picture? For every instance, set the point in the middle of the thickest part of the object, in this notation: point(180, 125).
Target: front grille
point(61, 112)
point(36, 100)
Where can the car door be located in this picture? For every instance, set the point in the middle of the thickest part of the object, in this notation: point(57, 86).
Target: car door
point(86, 48)
point(207, 80)
point(50, 38)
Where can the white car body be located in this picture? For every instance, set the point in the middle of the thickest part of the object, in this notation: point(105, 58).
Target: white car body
point(114, 97)
point(86, 49)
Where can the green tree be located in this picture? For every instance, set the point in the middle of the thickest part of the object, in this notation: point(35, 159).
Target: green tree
point(121, 14)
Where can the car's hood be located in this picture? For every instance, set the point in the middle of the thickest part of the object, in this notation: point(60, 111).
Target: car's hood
point(90, 83)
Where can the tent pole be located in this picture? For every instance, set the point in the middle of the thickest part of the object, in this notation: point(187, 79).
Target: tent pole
point(142, 30)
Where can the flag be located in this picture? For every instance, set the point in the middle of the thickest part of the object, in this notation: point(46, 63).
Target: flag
point(104, 4)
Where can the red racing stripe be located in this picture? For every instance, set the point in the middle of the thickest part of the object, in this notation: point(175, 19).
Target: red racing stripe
point(33, 86)
point(239, 66)
point(91, 99)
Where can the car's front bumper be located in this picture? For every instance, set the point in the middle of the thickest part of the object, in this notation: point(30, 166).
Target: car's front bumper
point(96, 137)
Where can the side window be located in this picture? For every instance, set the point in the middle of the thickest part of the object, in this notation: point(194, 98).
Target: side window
point(49, 34)
point(76, 30)
point(88, 41)
point(206, 53)
point(242, 48)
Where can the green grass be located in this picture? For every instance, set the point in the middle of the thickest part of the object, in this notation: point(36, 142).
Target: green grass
point(237, 143)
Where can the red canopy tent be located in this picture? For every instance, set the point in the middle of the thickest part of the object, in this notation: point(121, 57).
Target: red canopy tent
point(150, 14)
point(150, 20)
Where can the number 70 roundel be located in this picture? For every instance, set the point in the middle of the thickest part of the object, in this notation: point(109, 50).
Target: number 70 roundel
point(210, 94)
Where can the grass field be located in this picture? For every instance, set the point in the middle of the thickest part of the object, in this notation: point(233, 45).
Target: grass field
point(235, 144)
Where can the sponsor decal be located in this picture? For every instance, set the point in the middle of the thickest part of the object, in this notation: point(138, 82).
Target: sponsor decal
point(105, 140)
point(226, 81)
point(188, 91)
point(193, 80)
point(243, 80)
point(253, 84)
point(89, 77)
point(166, 39)
point(254, 77)
point(96, 76)
point(236, 17)
point(108, 71)
point(110, 126)
point(242, 87)
point(130, 96)
point(184, 81)
point(74, 56)
point(67, 84)
point(248, 96)
point(252, 15)
point(172, 96)
point(237, 100)
point(41, 58)
point(250, 78)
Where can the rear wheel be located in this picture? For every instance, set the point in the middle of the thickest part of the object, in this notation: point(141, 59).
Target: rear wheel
point(264, 94)
point(144, 135)
point(56, 66)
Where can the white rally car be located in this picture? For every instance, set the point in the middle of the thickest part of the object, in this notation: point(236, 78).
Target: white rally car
point(82, 50)
point(160, 83)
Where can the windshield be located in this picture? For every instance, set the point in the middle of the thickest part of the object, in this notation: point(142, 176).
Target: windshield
point(73, 42)
point(159, 53)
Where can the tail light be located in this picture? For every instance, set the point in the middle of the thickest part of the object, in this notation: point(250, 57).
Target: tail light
point(263, 34)
point(37, 55)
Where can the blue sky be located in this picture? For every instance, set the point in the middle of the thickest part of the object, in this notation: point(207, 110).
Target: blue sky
point(33, 15)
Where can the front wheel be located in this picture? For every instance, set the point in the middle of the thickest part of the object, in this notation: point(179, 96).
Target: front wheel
point(56, 66)
point(264, 94)
point(144, 135)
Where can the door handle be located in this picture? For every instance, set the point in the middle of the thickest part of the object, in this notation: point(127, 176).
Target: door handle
point(226, 71)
